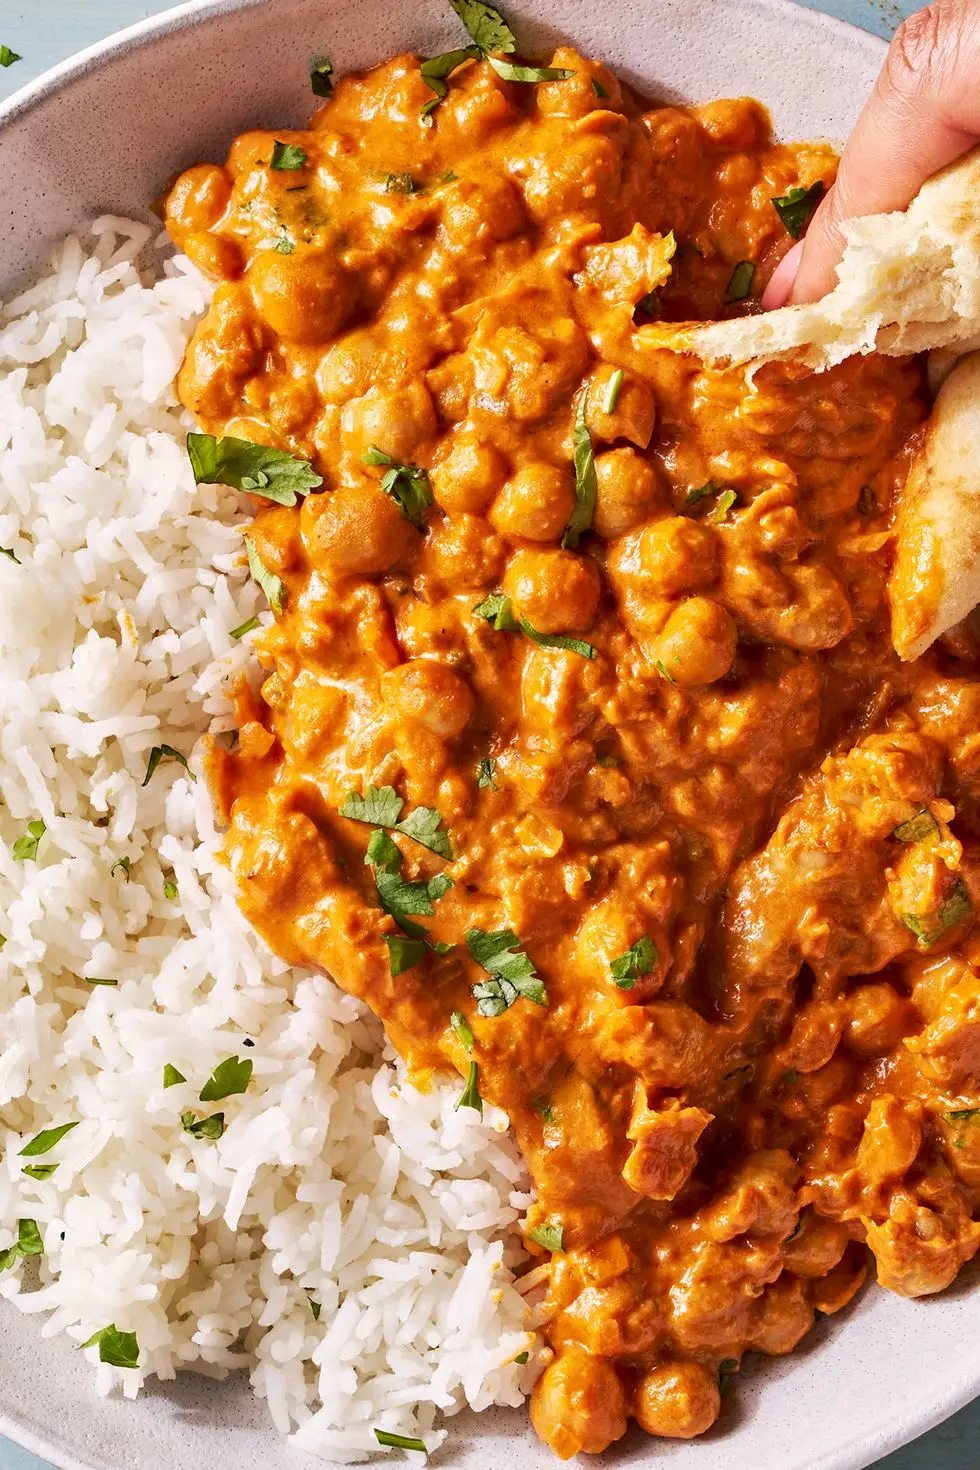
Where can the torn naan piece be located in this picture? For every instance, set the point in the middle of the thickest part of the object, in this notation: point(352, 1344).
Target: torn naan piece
point(907, 283)
point(935, 577)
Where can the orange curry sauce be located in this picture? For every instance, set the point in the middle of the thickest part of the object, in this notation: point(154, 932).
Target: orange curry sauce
point(741, 796)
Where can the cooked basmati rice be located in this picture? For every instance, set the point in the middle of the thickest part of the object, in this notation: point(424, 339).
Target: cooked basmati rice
point(335, 1185)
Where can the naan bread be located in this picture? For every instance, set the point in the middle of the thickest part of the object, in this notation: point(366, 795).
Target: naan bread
point(935, 579)
point(907, 283)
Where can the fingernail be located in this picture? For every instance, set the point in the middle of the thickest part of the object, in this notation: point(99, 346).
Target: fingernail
point(782, 278)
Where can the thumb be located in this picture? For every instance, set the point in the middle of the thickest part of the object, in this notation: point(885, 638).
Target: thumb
point(923, 113)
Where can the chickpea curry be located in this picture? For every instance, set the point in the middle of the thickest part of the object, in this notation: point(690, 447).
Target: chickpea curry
point(581, 752)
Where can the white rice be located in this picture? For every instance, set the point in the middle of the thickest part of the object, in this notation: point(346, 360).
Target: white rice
point(335, 1181)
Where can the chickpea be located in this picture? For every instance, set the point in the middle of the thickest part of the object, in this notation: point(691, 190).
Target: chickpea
point(816, 1247)
point(346, 369)
point(579, 179)
point(784, 1315)
point(198, 199)
point(891, 1140)
point(576, 96)
point(536, 503)
point(634, 415)
point(819, 615)
point(557, 591)
point(678, 555)
point(432, 694)
point(578, 1404)
point(354, 531)
point(677, 1400)
point(248, 152)
point(468, 478)
point(463, 552)
point(479, 213)
point(879, 1018)
point(629, 492)
point(215, 255)
point(697, 644)
point(738, 122)
point(394, 420)
point(675, 137)
point(304, 297)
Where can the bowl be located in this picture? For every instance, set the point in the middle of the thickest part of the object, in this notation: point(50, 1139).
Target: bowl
point(103, 133)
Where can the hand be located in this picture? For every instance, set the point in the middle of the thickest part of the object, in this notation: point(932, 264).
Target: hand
point(924, 112)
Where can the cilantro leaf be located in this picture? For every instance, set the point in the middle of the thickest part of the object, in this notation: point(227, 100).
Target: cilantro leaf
point(169, 888)
point(558, 640)
point(397, 896)
point(285, 246)
point(551, 1236)
point(40, 1171)
point(273, 587)
point(509, 72)
point(664, 672)
point(586, 481)
point(917, 828)
point(211, 1128)
point(740, 281)
point(486, 772)
point(244, 628)
point(254, 468)
point(613, 390)
point(470, 1096)
point(165, 753)
point(28, 1243)
point(485, 25)
point(462, 1028)
point(90, 981)
point(719, 511)
point(949, 914)
point(401, 183)
point(437, 69)
point(315, 1307)
point(8, 57)
point(407, 484)
point(381, 806)
point(501, 954)
point(601, 92)
point(404, 952)
point(321, 76)
point(45, 1141)
point(400, 1441)
point(171, 1076)
point(796, 207)
point(125, 863)
point(496, 610)
point(287, 157)
point(638, 960)
point(120, 1349)
point(25, 848)
point(9, 552)
point(710, 487)
point(229, 1078)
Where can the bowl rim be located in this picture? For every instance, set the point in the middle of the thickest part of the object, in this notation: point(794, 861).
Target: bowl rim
point(886, 1434)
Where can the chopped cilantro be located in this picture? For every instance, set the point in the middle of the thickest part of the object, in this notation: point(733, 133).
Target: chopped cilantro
point(211, 1128)
point(40, 1171)
point(710, 487)
point(397, 896)
point(9, 552)
point(496, 610)
point(169, 888)
point(917, 828)
point(949, 914)
point(273, 587)
point(28, 1243)
point(551, 1236)
point(400, 1441)
point(229, 1078)
point(403, 952)
point(244, 628)
point(90, 981)
point(486, 26)
point(462, 1028)
point(287, 157)
point(321, 76)
point(8, 57)
point(719, 511)
point(558, 640)
point(470, 1096)
point(664, 672)
point(586, 481)
point(120, 1349)
point(602, 92)
point(382, 807)
point(407, 484)
point(740, 281)
point(486, 772)
point(437, 69)
point(316, 1308)
point(25, 848)
point(44, 1142)
point(613, 388)
point(638, 960)
point(508, 71)
point(254, 468)
point(165, 753)
point(522, 1358)
point(544, 1110)
point(502, 955)
point(402, 183)
point(125, 863)
point(171, 1076)
point(727, 1369)
point(796, 207)
point(285, 246)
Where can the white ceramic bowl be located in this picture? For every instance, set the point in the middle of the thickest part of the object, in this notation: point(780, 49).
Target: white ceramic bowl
point(103, 133)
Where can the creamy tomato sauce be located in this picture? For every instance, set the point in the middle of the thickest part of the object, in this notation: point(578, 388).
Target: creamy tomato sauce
point(727, 838)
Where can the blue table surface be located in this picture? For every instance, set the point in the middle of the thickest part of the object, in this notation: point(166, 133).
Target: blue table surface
point(47, 31)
